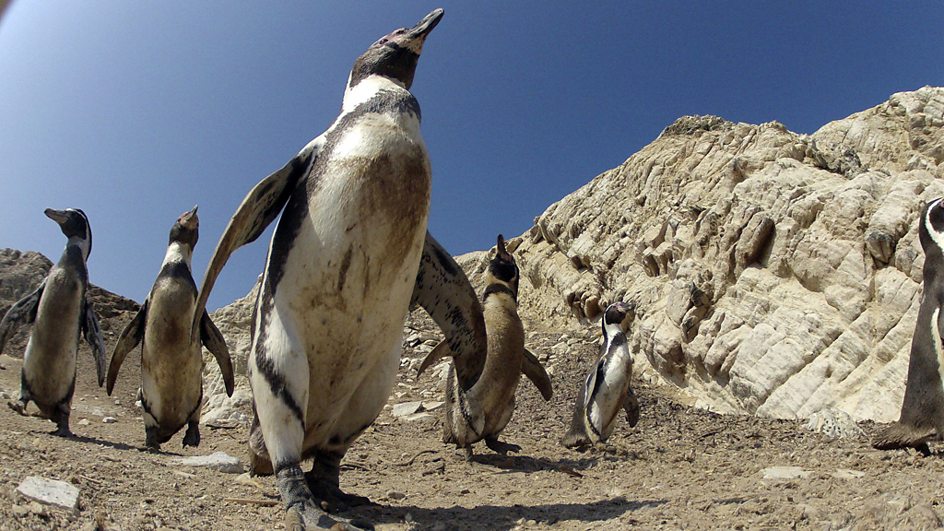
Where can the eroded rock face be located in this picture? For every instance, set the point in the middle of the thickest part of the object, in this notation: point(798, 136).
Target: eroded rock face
point(773, 273)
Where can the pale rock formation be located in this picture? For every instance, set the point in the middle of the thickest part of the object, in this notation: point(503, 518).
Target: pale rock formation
point(772, 272)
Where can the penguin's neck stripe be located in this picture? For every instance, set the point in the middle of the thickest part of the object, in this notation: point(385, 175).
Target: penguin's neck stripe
point(937, 237)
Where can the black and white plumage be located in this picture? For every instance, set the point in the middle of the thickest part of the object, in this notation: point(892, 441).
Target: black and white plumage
point(480, 408)
point(339, 277)
point(607, 388)
point(60, 312)
point(171, 391)
point(922, 411)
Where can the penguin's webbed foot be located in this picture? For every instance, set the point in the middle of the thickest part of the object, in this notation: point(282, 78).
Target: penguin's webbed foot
point(501, 447)
point(301, 511)
point(192, 437)
point(150, 439)
point(332, 499)
point(19, 406)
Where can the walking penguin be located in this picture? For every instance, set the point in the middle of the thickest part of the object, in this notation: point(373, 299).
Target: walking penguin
point(606, 389)
point(483, 411)
point(922, 411)
point(171, 393)
point(59, 311)
point(339, 278)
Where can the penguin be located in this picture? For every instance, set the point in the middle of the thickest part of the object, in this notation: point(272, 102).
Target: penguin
point(339, 276)
point(607, 387)
point(483, 411)
point(922, 410)
point(171, 393)
point(59, 310)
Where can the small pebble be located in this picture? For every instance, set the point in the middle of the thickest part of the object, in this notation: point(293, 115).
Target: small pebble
point(109, 420)
point(395, 495)
point(84, 422)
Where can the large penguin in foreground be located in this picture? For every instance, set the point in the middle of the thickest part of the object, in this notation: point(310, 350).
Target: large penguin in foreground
point(606, 389)
point(922, 411)
point(171, 359)
point(59, 311)
point(343, 267)
point(482, 411)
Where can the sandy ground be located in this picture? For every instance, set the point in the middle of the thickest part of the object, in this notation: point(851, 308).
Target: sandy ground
point(678, 468)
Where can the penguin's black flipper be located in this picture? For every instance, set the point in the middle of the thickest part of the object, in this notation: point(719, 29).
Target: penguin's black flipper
point(631, 407)
point(214, 342)
point(93, 335)
point(23, 311)
point(440, 351)
point(443, 290)
point(130, 337)
point(260, 206)
point(535, 372)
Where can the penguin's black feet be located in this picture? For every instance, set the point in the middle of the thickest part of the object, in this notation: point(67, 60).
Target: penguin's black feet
point(19, 406)
point(301, 511)
point(150, 439)
point(501, 447)
point(61, 417)
point(192, 437)
point(324, 482)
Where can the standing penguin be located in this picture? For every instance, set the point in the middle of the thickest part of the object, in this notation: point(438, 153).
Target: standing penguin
point(339, 277)
point(607, 387)
point(922, 411)
point(171, 359)
point(59, 311)
point(483, 411)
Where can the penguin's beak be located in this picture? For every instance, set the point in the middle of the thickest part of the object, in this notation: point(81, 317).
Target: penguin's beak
point(423, 27)
point(189, 219)
point(59, 216)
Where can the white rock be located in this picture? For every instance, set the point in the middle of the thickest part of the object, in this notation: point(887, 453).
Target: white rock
point(834, 423)
point(50, 492)
point(417, 416)
point(84, 422)
point(785, 472)
point(220, 461)
point(407, 408)
point(109, 420)
point(433, 405)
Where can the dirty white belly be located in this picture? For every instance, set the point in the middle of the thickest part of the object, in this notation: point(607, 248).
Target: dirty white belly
point(172, 364)
point(348, 280)
point(50, 358)
point(608, 400)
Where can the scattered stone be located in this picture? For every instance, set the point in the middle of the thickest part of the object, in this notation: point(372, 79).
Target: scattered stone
point(50, 492)
point(84, 422)
point(407, 408)
point(5, 395)
point(417, 416)
point(845, 473)
point(219, 461)
point(395, 495)
point(433, 406)
point(785, 472)
point(835, 424)
point(109, 420)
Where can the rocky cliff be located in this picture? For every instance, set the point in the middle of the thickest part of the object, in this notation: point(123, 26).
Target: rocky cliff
point(772, 272)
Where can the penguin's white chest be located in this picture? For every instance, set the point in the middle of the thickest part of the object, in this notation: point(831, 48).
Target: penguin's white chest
point(50, 358)
point(349, 274)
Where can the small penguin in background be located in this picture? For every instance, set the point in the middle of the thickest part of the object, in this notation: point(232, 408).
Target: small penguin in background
point(171, 360)
point(483, 411)
point(607, 388)
point(59, 310)
point(922, 411)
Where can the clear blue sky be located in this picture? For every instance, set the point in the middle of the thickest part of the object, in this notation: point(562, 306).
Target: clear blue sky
point(136, 111)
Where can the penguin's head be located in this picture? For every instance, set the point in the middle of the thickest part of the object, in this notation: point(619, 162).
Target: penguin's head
point(502, 268)
point(931, 227)
point(75, 225)
point(187, 229)
point(613, 318)
point(395, 55)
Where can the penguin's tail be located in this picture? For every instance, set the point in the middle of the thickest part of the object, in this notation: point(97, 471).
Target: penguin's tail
point(898, 435)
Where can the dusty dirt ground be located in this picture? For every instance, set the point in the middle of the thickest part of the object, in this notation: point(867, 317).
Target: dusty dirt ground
point(678, 468)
